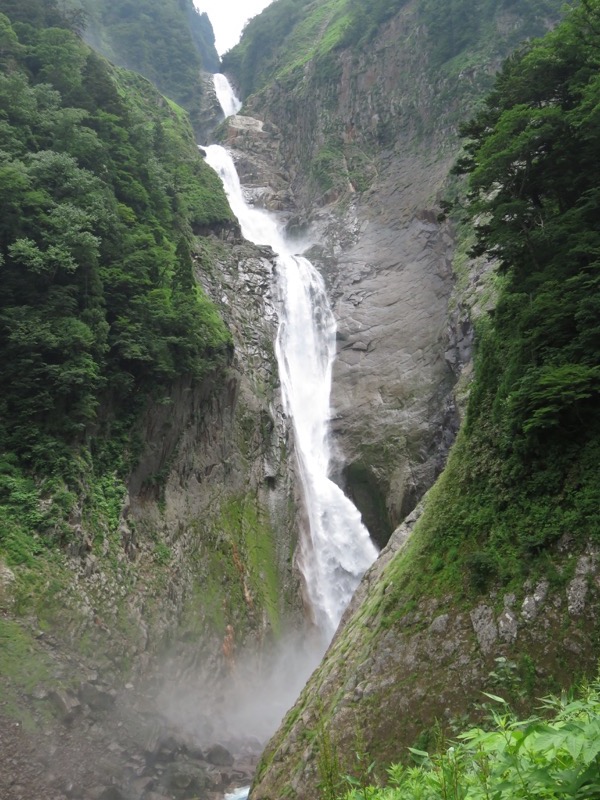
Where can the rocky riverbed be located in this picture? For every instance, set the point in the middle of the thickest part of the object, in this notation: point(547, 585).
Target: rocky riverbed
point(119, 755)
point(92, 741)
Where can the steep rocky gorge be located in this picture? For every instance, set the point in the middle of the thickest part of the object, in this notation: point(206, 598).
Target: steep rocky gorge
point(175, 590)
point(196, 576)
point(364, 139)
point(358, 154)
point(404, 670)
point(391, 280)
point(148, 586)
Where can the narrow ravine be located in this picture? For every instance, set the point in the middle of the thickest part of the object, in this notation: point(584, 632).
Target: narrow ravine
point(336, 549)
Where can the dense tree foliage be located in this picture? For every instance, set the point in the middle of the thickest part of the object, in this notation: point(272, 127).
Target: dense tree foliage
point(167, 41)
point(101, 192)
point(525, 471)
point(456, 26)
point(535, 177)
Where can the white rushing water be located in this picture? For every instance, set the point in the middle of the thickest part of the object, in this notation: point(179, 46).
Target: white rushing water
point(337, 549)
point(238, 794)
point(225, 95)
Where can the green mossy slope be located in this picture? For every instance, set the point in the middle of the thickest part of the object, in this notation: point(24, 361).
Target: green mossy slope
point(291, 33)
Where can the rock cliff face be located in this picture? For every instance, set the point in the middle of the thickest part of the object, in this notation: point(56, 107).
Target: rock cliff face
point(228, 496)
point(356, 150)
point(196, 577)
point(385, 256)
point(159, 544)
point(211, 501)
point(395, 672)
point(365, 137)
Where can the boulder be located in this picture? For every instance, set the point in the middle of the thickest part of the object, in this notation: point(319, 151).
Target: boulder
point(96, 698)
point(219, 756)
point(65, 702)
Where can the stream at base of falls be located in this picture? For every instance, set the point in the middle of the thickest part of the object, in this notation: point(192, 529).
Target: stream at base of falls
point(239, 794)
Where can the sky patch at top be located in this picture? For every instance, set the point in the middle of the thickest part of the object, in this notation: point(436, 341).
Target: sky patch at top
point(228, 18)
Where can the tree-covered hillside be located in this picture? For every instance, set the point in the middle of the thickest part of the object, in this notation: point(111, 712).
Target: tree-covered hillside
point(167, 41)
point(527, 470)
point(102, 191)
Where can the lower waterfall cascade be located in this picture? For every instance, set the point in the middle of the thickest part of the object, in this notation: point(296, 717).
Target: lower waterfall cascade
point(336, 549)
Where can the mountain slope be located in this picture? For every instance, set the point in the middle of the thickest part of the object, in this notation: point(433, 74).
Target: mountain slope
point(169, 42)
point(492, 585)
point(366, 114)
point(146, 506)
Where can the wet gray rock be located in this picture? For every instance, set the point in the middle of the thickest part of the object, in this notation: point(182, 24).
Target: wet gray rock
point(113, 793)
point(210, 114)
point(97, 698)
point(390, 285)
point(534, 602)
point(7, 577)
point(185, 780)
point(219, 756)
point(484, 625)
point(508, 626)
point(576, 595)
point(439, 624)
point(66, 703)
point(577, 589)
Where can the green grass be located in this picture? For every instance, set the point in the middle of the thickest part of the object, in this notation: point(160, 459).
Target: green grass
point(510, 758)
point(315, 34)
point(24, 667)
point(15, 647)
point(253, 552)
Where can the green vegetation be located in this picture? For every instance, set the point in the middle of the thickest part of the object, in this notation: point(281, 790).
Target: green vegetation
point(253, 60)
point(15, 665)
point(167, 41)
point(102, 191)
point(250, 547)
point(235, 572)
point(364, 20)
point(532, 758)
point(327, 165)
point(24, 667)
point(289, 33)
point(459, 26)
point(524, 471)
point(297, 55)
point(530, 457)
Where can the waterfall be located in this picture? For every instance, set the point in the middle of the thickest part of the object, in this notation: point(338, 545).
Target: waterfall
point(225, 95)
point(337, 549)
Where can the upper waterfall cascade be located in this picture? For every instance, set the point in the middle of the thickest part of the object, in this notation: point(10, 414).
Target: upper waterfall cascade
point(226, 96)
point(337, 549)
